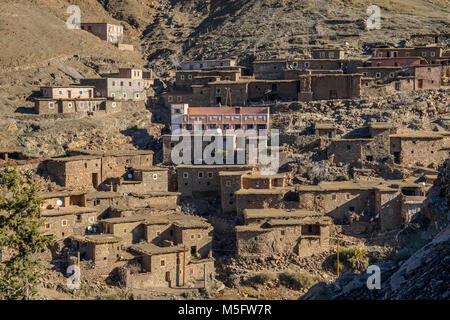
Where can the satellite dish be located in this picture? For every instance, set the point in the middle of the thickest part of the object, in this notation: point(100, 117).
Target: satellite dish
point(59, 203)
point(130, 176)
point(89, 228)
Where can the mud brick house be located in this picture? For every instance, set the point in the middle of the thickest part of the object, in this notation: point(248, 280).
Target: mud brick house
point(410, 206)
point(276, 69)
point(330, 86)
point(398, 61)
point(199, 181)
point(308, 87)
point(170, 266)
point(259, 199)
point(231, 182)
point(141, 180)
point(105, 31)
point(127, 84)
point(270, 232)
point(372, 144)
point(196, 65)
point(129, 229)
point(381, 74)
point(429, 53)
point(369, 199)
point(219, 118)
point(104, 250)
point(419, 78)
point(418, 148)
point(186, 78)
point(325, 129)
point(69, 218)
point(89, 169)
point(66, 106)
point(67, 92)
point(72, 99)
point(327, 53)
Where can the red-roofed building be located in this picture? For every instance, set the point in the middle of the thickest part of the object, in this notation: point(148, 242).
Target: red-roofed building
point(219, 118)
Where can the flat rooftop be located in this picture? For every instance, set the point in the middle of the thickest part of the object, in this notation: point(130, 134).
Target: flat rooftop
point(151, 249)
point(279, 213)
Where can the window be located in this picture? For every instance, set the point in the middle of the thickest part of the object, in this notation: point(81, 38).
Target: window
point(81, 105)
point(81, 92)
point(47, 226)
point(210, 174)
point(138, 95)
point(124, 95)
point(155, 176)
point(365, 74)
point(91, 219)
point(121, 83)
point(170, 98)
point(69, 105)
point(64, 223)
point(307, 64)
point(185, 175)
point(391, 75)
point(51, 105)
point(331, 54)
point(79, 218)
point(433, 54)
point(190, 77)
point(406, 54)
point(199, 236)
point(113, 95)
point(333, 197)
point(283, 232)
point(424, 53)
point(182, 77)
point(113, 105)
point(129, 83)
point(163, 262)
point(179, 98)
point(113, 83)
point(228, 183)
point(192, 236)
point(60, 92)
point(378, 75)
point(200, 174)
point(349, 147)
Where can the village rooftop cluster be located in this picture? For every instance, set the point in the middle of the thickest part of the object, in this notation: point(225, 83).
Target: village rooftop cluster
point(120, 210)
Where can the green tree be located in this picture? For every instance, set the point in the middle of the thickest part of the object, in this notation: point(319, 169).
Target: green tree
point(20, 235)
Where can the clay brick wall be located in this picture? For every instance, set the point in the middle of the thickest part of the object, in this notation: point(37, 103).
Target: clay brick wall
point(199, 181)
point(336, 86)
point(280, 240)
point(257, 201)
point(229, 184)
point(129, 232)
point(67, 225)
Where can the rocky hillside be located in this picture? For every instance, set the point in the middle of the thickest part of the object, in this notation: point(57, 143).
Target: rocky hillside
point(416, 271)
point(38, 49)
